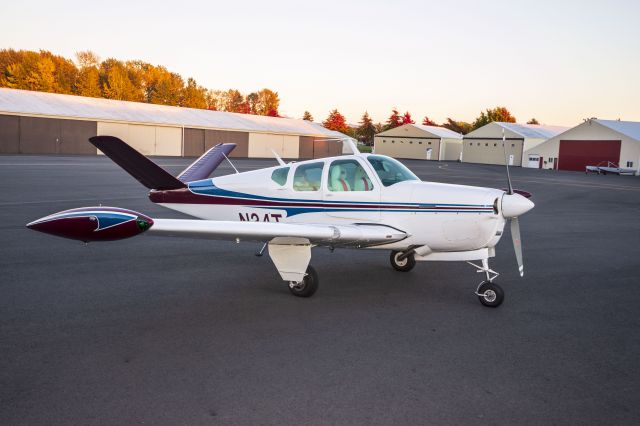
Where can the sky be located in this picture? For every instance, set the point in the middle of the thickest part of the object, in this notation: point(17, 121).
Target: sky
point(558, 61)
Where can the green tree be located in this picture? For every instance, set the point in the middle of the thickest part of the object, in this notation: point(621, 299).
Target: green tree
point(533, 121)
point(336, 121)
point(500, 114)
point(366, 130)
point(307, 116)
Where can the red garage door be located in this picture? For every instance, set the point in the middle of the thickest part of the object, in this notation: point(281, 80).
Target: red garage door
point(576, 155)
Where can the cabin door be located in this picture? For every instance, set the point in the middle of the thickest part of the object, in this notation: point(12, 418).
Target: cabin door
point(350, 192)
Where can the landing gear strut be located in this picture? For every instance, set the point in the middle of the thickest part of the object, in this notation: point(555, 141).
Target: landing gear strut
point(307, 286)
point(489, 293)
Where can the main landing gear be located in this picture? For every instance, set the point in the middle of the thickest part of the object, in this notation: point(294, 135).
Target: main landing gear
point(402, 261)
point(489, 293)
point(307, 286)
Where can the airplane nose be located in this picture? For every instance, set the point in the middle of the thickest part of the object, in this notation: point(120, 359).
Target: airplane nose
point(514, 205)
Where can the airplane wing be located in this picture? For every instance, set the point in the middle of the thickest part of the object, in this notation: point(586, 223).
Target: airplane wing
point(355, 235)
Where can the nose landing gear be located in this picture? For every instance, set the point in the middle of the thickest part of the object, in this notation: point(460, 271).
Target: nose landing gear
point(489, 293)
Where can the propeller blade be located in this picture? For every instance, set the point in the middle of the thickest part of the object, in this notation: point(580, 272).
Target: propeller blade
point(517, 243)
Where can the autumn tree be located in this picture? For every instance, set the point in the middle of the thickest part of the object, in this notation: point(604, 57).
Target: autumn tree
point(133, 80)
point(406, 118)
point(501, 114)
point(88, 82)
point(366, 130)
point(533, 121)
point(268, 103)
point(394, 120)
point(307, 116)
point(336, 121)
point(194, 96)
point(461, 127)
point(426, 121)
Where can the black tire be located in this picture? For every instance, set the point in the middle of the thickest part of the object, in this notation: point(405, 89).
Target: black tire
point(404, 265)
point(490, 294)
point(308, 286)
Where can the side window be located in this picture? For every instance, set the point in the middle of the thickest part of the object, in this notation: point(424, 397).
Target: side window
point(308, 177)
point(279, 176)
point(348, 175)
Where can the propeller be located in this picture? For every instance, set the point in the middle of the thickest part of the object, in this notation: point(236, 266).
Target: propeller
point(514, 204)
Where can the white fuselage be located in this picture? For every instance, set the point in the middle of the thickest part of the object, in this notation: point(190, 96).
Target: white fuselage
point(441, 216)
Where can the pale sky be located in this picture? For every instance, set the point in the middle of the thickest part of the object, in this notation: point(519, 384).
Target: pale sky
point(559, 61)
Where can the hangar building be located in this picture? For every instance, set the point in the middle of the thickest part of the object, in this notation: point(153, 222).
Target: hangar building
point(420, 142)
point(48, 123)
point(484, 145)
point(590, 144)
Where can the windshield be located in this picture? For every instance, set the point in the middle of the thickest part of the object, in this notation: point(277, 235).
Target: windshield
point(389, 170)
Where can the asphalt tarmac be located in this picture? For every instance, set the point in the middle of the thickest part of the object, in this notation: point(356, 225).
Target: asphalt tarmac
point(174, 331)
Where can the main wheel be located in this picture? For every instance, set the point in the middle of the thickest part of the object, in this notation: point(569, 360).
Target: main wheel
point(490, 294)
point(404, 265)
point(307, 286)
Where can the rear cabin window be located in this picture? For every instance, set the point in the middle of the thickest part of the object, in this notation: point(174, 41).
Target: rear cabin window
point(308, 177)
point(279, 176)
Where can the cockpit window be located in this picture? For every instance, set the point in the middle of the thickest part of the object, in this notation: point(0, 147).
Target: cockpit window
point(389, 170)
point(348, 175)
point(308, 177)
point(279, 176)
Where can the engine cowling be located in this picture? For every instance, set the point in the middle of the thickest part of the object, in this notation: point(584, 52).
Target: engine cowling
point(93, 224)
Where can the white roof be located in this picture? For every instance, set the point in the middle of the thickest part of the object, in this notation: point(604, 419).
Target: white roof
point(534, 131)
point(441, 132)
point(15, 101)
point(627, 128)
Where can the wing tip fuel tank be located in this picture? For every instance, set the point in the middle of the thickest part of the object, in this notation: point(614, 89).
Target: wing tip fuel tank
point(93, 224)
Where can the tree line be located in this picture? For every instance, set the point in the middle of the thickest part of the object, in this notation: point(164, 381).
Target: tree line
point(135, 81)
point(140, 81)
point(367, 129)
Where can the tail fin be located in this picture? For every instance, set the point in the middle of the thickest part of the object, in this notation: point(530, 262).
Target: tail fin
point(137, 165)
point(207, 163)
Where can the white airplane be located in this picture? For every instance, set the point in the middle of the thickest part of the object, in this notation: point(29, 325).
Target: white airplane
point(362, 201)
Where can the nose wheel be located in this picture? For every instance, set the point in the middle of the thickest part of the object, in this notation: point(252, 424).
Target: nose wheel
point(490, 294)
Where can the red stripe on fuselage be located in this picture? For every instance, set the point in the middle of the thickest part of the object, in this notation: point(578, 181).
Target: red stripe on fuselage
point(184, 196)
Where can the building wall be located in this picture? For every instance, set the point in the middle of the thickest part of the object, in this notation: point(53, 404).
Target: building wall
point(629, 150)
point(9, 134)
point(262, 144)
point(490, 151)
point(40, 135)
point(407, 147)
point(45, 135)
point(452, 148)
point(148, 140)
point(241, 139)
